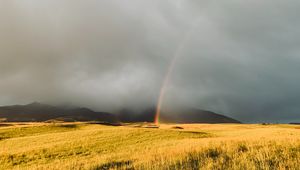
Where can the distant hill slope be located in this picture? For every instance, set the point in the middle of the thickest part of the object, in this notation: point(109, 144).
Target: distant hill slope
point(190, 115)
point(186, 115)
point(37, 112)
point(42, 112)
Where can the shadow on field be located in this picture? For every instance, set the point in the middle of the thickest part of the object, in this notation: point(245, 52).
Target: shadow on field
point(71, 126)
point(177, 127)
point(2, 138)
point(144, 125)
point(116, 165)
point(5, 125)
point(194, 133)
point(105, 123)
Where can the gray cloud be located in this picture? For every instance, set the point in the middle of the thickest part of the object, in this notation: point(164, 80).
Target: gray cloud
point(241, 58)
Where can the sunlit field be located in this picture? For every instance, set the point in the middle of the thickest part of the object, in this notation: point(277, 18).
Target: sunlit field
point(134, 146)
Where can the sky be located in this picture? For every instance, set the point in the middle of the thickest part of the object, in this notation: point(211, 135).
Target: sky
point(237, 58)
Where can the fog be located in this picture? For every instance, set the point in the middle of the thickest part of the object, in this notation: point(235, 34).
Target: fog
point(240, 59)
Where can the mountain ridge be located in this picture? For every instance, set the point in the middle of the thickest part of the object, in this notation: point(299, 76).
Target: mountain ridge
point(38, 112)
point(183, 115)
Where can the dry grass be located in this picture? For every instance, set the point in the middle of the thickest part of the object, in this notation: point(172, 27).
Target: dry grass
point(190, 146)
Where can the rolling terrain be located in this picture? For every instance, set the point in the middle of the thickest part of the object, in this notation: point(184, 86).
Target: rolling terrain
point(132, 146)
point(37, 112)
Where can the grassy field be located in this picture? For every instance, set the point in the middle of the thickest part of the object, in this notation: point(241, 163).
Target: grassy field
point(185, 146)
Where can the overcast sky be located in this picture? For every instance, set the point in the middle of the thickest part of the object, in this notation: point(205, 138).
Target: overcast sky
point(237, 58)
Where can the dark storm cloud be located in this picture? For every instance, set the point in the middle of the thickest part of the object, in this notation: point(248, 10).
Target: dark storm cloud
point(241, 58)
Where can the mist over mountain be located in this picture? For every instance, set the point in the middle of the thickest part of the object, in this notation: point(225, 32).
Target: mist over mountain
point(180, 115)
point(239, 59)
point(37, 112)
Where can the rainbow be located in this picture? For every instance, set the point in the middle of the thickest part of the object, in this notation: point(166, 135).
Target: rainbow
point(171, 67)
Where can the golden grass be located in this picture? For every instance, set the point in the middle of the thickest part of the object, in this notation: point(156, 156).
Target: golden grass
point(188, 146)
